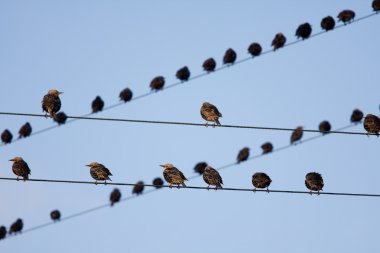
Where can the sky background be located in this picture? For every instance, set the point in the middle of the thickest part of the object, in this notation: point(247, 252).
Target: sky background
point(90, 48)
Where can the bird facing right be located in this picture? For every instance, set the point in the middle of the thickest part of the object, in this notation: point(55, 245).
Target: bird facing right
point(16, 227)
point(314, 182)
point(346, 16)
point(212, 177)
point(99, 172)
point(261, 180)
point(173, 175)
point(20, 168)
point(372, 124)
point(51, 103)
point(209, 112)
point(243, 155)
point(296, 135)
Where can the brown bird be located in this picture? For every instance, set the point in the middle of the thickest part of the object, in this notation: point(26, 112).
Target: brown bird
point(97, 104)
point(261, 180)
point(314, 182)
point(16, 227)
point(125, 95)
point(173, 175)
point(229, 56)
point(25, 130)
point(138, 188)
point(303, 31)
point(356, 116)
point(183, 74)
point(209, 112)
point(372, 124)
point(60, 118)
point(3, 232)
point(267, 147)
point(158, 182)
point(209, 65)
point(6, 136)
point(278, 41)
point(243, 155)
point(157, 83)
point(51, 103)
point(346, 16)
point(325, 127)
point(376, 5)
point(212, 177)
point(20, 168)
point(296, 135)
point(200, 167)
point(115, 196)
point(328, 23)
point(55, 215)
point(99, 172)
point(255, 49)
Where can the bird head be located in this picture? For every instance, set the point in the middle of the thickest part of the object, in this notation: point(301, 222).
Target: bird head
point(206, 104)
point(300, 127)
point(54, 92)
point(167, 166)
point(92, 164)
point(16, 159)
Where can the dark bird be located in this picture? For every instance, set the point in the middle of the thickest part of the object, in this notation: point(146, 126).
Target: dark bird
point(372, 124)
point(346, 16)
point(16, 227)
point(97, 104)
point(60, 118)
point(267, 147)
point(138, 188)
point(255, 49)
point(200, 167)
point(243, 155)
point(229, 56)
point(314, 182)
point(6, 136)
point(55, 215)
point(115, 196)
point(20, 168)
point(303, 31)
point(51, 103)
point(209, 65)
point(261, 180)
point(158, 182)
point(99, 172)
point(183, 74)
point(173, 175)
point(296, 135)
point(328, 23)
point(278, 41)
point(157, 83)
point(209, 112)
point(356, 116)
point(126, 95)
point(25, 130)
point(325, 127)
point(3, 232)
point(212, 177)
point(376, 5)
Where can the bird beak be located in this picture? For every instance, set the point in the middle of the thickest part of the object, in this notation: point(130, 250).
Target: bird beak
point(11, 160)
point(60, 92)
point(88, 165)
point(163, 166)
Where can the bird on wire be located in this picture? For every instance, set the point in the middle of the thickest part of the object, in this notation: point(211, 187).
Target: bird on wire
point(97, 104)
point(6, 136)
point(158, 182)
point(126, 95)
point(267, 147)
point(157, 83)
point(261, 180)
point(278, 41)
point(16, 227)
point(60, 118)
point(243, 155)
point(55, 215)
point(376, 5)
point(324, 127)
point(51, 103)
point(372, 124)
point(346, 16)
point(296, 135)
point(255, 49)
point(314, 182)
point(138, 188)
point(356, 116)
point(303, 31)
point(115, 196)
point(25, 130)
point(209, 112)
point(20, 168)
point(173, 175)
point(212, 177)
point(229, 56)
point(99, 172)
point(328, 23)
point(200, 167)
point(209, 65)
point(183, 74)
point(3, 232)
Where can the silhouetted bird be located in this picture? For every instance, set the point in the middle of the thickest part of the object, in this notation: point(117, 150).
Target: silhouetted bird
point(255, 49)
point(267, 147)
point(158, 182)
point(209, 65)
point(55, 215)
point(243, 155)
point(328, 23)
point(3, 232)
point(229, 56)
point(376, 5)
point(99, 172)
point(325, 127)
point(356, 116)
point(173, 175)
point(6, 136)
point(278, 41)
point(314, 182)
point(296, 135)
point(16, 227)
point(51, 103)
point(346, 16)
point(212, 177)
point(209, 112)
point(200, 167)
point(25, 130)
point(303, 31)
point(261, 180)
point(20, 168)
point(183, 74)
point(157, 83)
point(97, 104)
point(115, 196)
point(372, 124)
point(60, 118)
point(126, 95)
point(138, 188)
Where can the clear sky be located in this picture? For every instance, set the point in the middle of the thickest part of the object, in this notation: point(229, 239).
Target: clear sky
point(90, 48)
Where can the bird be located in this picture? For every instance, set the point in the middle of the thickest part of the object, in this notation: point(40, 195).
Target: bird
point(173, 175)
point(200, 167)
point(138, 188)
point(60, 118)
point(324, 127)
point(255, 49)
point(303, 31)
point(115, 196)
point(278, 41)
point(229, 56)
point(183, 74)
point(157, 83)
point(328, 23)
point(6, 136)
point(212, 177)
point(16, 227)
point(314, 182)
point(99, 172)
point(20, 168)
point(97, 104)
point(356, 116)
point(296, 135)
point(376, 5)
point(55, 215)
point(261, 180)
point(209, 112)
point(209, 65)
point(126, 95)
point(242, 155)
point(372, 124)
point(25, 130)
point(158, 182)
point(346, 16)
point(3, 232)
point(267, 147)
point(51, 103)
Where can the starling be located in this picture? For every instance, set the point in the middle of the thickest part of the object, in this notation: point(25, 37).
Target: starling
point(200, 167)
point(210, 113)
point(97, 104)
point(3, 232)
point(60, 118)
point(55, 215)
point(173, 175)
point(372, 124)
point(314, 182)
point(209, 65)
point(51, 103)
point(115, 196)
point(99, 172)
point(255, 49)
point(212, 177)
point(16, 227)
point(267, 147)
point(325, 127)
point(6, 136)
point(261, 180)
point(376, 5)
point(183, 74)
point(296, 135)
point(138, 188)
point(328, 23)
point(229, 56)
point(157, 83)
point(356, 116)
point(243, 155)
point(25, 130)
point(346, 16)
point(20, 168)
point(158, 182)
point(126, 95)
point(303, 31)
point(278, 41)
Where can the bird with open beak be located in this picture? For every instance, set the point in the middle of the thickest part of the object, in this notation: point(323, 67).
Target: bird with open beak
point(20, 168)
point(173, 175)
point(99, 172)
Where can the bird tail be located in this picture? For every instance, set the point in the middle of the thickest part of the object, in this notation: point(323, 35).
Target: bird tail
point(219, 186)
point(183, 184)
point(217, 121)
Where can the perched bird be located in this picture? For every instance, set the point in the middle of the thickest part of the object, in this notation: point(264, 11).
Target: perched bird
point(210, 113)
point(243, 155)
point(97, 104)
point(6, 136)
point(25, 130)
point(138, 188)
point(267, 147)
point(183, 74)
point(212, 177)
point(261, 180)
point(157, 83)
point(16, 227)
point(20, 168)
point(328, 23)
point(372, 124)
point(99, 172)
point(51, 103)
point(356, 116)
point(158, 182)
point(55, 215)
point(60, 118)
point(209, 65)
point(303, 31)
point(376, 5)
point(3, 232)
point(296, 135)
point(314, 182)
point(115, 196)
point(346, 16)
point(255, 49)
point(229, 56)
point(325, 127)
point(126, 95)
point(278, 41)
point(173, 175)
point(200, 167)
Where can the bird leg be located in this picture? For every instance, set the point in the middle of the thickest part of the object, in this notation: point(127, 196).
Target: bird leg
point(170, 186)
point(311, 193)
point(214, 125)
point(254, 190)
point(267, 190)
point(206, 124)
point(17, 178)
point(318, 192)
point(208, 187)
point(216, 187)
point(96, 182)
point(178, 186)
point(105, 182)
